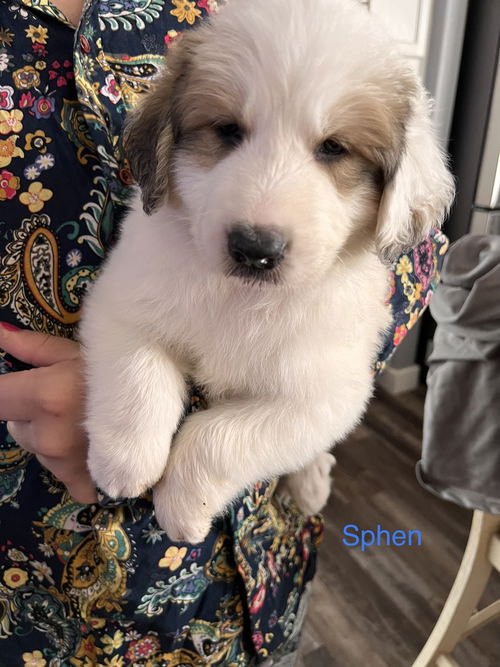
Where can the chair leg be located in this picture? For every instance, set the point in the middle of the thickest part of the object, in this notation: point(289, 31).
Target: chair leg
point(465, 594)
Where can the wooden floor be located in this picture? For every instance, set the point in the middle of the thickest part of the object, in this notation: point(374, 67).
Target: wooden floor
point(376, 608)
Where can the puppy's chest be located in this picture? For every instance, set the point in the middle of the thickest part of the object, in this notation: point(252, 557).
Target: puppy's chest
point(242, 350)
point(242, 356)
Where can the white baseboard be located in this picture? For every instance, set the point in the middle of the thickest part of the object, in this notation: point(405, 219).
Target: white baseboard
point(399, 380)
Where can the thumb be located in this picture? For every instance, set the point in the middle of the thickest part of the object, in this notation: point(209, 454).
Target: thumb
point(34, 348)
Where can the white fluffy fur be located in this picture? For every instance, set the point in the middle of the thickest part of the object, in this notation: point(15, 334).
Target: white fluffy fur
point(286, 367)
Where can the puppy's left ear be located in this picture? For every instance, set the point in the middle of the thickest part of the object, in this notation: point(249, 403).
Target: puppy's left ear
point(420, 192)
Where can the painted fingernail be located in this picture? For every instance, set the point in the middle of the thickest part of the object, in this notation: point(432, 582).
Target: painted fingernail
point(7, 326)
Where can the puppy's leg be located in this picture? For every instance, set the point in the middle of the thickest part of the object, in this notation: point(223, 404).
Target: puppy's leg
point(311, 486)
point(219, 452)
point(135, 401)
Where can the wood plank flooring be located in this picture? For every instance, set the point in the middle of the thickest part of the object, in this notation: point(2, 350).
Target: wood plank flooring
point(376, 608)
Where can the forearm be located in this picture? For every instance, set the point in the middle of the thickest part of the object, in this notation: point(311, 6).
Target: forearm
point(219, 452)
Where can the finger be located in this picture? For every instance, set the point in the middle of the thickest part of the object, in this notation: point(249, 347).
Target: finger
point(37, 349)
point(74, 476)
point(19, 395)
point(73, 473)
point(54, 438)
point(60, 449)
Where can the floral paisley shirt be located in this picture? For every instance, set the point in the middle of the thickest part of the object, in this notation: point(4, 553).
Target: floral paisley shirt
point(101, 584)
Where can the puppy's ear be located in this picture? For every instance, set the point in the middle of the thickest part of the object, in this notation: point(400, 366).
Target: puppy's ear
point(150, 129)
point(420, 191)
point(147, 141)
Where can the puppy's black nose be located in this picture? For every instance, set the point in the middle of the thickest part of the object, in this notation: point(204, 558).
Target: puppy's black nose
point(257, 248)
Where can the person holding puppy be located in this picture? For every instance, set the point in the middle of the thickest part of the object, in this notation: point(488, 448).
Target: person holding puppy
point(85, 580)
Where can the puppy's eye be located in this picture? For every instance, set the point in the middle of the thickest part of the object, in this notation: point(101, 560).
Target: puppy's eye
point(230, 134)
point(330, 150)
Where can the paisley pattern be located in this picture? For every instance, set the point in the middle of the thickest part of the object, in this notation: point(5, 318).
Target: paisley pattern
point(101, 585)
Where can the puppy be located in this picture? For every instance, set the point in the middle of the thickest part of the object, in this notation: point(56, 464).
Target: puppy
point(284, 158)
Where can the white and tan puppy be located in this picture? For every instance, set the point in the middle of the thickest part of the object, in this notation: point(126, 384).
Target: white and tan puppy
point(284, 158)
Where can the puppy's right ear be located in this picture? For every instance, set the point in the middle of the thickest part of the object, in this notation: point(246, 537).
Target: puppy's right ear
point(147, 141)
point(150, 130)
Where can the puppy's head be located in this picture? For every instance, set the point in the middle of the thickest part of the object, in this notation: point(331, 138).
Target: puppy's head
point(290, 136)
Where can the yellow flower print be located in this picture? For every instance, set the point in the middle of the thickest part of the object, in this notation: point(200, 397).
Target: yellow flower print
point(404, 266)
point(40, 65)
point(36, 197)
point(37, 34)
point(26, 77)
point(38, 140)
point(15, 577)
point(418, 291)
point(115, 661)
point(34, 659)
point(173, 557)
point(112, 643)
point(9, 150)
point(88, 649)
point(10, 121)
point(185, 11)
point(412, 291)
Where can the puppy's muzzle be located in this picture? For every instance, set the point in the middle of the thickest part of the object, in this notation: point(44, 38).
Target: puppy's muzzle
point(256, 249)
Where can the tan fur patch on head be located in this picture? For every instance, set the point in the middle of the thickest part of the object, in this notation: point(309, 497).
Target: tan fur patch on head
point(203, 103)
point(181, 113)
point(371, 121)
point(201, 99)
point(203, 147)
point(359, 180)
point(353, 170)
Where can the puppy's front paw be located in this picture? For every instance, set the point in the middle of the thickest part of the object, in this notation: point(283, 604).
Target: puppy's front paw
point(310, 487)
point(183, 508)
point(119, 475)
point(179, 526)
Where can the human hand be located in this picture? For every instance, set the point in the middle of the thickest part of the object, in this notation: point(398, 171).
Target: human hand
point(43, 406)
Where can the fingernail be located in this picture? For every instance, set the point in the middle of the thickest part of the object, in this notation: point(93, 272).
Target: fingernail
point(7, 326)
